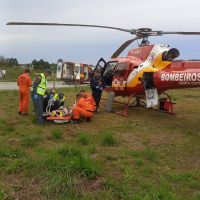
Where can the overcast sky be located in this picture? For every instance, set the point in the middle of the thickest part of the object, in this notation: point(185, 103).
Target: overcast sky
point(87, 45)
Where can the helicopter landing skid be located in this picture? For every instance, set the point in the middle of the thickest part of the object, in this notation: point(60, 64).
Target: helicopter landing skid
point(165, 105)
point(126, 104)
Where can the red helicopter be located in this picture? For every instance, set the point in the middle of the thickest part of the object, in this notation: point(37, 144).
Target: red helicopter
point(146, 72)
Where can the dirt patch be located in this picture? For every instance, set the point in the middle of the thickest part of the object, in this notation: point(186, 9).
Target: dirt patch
point(132, 141)
point(25, 188)
point(14, 142)
point(163, 139)
point(90, 185)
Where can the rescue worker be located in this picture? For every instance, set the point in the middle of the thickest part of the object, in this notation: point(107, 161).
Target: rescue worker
point(38, 92)
point(96, 85)
point(83, 108)
point(49, 95)
point(60, 99)
point(24, 82)
point(90, 97)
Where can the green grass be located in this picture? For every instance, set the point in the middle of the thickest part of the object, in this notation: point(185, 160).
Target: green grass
point(13, 72)
point(31, 140)
point(56, 134)
point(108, 139)
point(147, 156)
point(83, 139)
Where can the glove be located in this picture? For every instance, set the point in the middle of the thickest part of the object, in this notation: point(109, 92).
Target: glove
point(35, 96)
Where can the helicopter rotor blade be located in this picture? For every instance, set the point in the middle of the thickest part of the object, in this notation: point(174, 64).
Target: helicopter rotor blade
point(79, 25)
point(122, 47)
point(141, 32)
point(180, 32)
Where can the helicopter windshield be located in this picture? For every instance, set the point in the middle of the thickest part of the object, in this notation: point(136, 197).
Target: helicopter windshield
point(121, 69)
point(108, 73)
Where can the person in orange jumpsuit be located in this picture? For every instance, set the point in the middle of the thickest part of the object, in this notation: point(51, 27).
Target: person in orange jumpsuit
point(90, 97)
point(24, 82)
point(83, 108)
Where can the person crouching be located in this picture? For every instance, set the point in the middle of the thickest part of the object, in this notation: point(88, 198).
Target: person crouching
point(83, 108)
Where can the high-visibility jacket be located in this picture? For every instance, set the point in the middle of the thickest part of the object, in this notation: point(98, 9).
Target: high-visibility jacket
point(56, 97)
point(42, 87)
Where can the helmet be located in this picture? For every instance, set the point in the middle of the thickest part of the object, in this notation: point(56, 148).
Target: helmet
point(52, 91)
point(60, 95)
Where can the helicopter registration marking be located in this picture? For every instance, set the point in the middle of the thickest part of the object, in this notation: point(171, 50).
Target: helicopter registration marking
point(152, 57)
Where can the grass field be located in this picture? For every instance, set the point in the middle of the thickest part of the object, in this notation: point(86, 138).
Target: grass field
point(13, 72)
point(147, 156)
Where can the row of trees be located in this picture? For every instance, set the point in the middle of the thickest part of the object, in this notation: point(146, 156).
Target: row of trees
point(40, 64)
point(8, 62)
point(36, 64)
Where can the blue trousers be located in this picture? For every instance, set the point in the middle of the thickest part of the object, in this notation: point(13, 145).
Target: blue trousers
point(38, 106)
point(97, 97)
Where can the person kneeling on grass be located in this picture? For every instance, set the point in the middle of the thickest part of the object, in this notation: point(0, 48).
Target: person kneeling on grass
point(83, 108)
point(89, 96)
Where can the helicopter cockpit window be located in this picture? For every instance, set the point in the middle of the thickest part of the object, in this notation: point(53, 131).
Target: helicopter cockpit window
point(108, 73)
point(109, 68)
point(100, 67)
point(121, 69)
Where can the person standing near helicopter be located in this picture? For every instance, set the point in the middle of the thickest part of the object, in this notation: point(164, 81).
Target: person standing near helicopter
point(38, 93)
point(96, 85)
point(24, 82)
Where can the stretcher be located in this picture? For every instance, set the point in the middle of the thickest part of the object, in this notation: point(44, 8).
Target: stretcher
point(62, 115)
point(59, 119)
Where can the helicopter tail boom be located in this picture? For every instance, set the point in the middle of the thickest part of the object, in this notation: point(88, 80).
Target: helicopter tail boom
point(175, 78)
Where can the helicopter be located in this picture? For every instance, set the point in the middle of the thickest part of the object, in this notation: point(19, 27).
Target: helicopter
point(147, 71)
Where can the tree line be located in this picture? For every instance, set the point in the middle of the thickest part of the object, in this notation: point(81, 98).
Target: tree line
point(8, 62)
point(35, 64)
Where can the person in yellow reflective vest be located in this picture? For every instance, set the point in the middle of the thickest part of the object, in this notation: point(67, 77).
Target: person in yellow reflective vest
point(58, 101)
point(38, 93)
point(60, 98)
point(49, 96)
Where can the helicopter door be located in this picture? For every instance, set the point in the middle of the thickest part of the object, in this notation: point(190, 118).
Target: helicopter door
point(147, 80)
point(120, 77)
point(100, 66)
point(150, 90)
